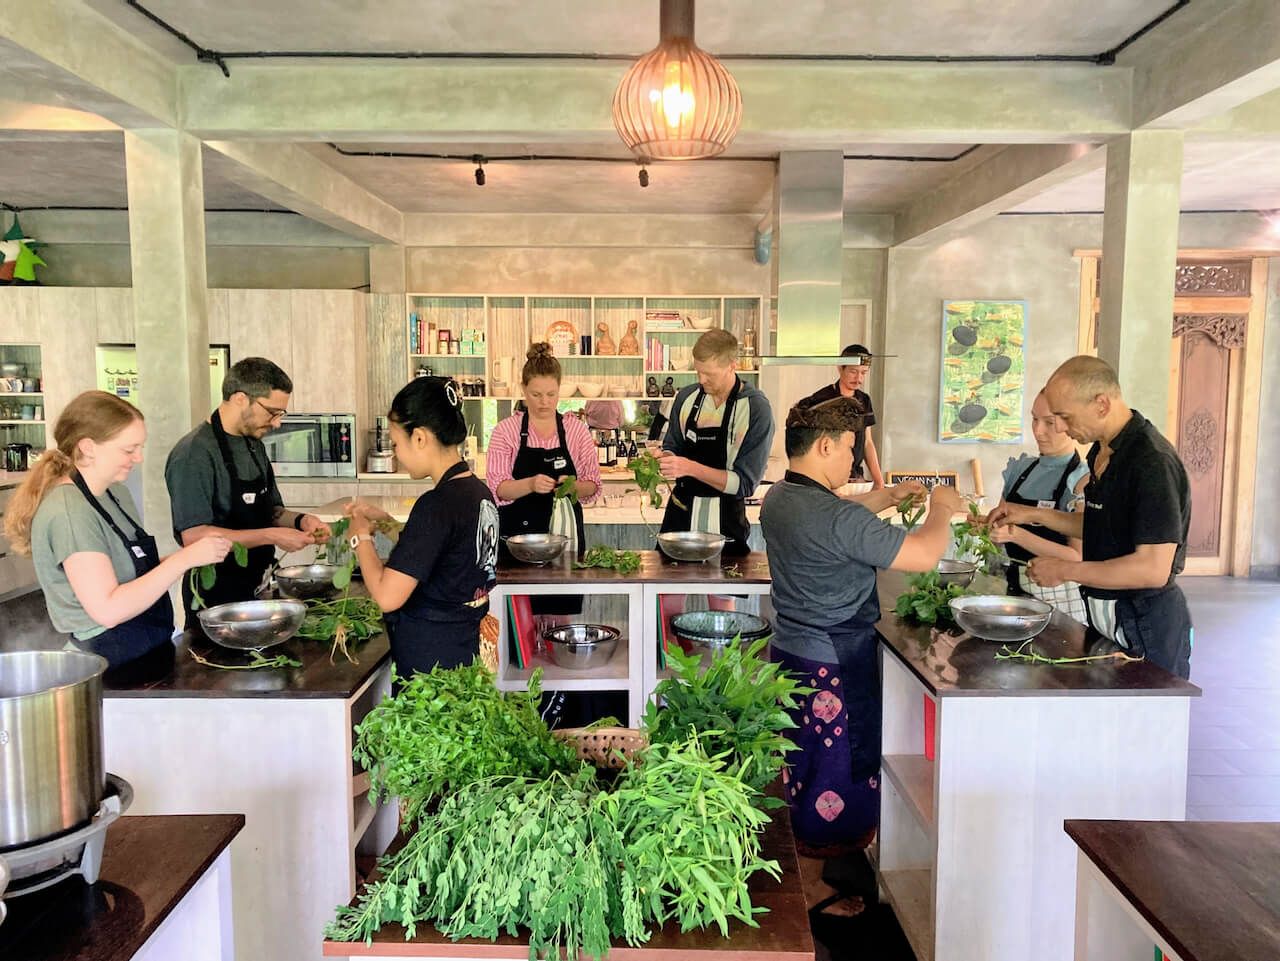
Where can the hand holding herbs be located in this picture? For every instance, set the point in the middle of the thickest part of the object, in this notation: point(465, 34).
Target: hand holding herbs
point(205, 576)
point(601, 555)
point(568, 487)
point(973, 539)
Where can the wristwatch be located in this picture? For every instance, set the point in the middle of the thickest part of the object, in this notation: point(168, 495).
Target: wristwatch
point(357, 538)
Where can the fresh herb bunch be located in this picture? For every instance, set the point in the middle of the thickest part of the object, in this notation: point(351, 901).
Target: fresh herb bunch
point(347, 620)
point(690, 835)
point(567, 488)
point(973, 538)
point(601, 555)
point(452, 727)
point(927, 599)
point(648, 475)
point(738, 705)
point(910, 513)
point(256, 660)
point(504, 854)
point(206, 575)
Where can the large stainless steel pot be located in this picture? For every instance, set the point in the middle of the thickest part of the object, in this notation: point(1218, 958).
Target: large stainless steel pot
point(51, 768)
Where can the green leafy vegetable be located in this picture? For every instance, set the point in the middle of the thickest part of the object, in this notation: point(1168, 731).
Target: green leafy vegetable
point(347, 620)
point(241, 553)
point(450, 728)
point(601, 555)
point(910, 514)
point(739, 704)
point(973, 539)
point(567, 488)
point(927, 599)
point(206, 575)
point(256, 660)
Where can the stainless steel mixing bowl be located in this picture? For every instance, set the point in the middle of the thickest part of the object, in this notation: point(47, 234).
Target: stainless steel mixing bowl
point(304, 581)
point(252, 625)
point(690, 545)
point(536, 548)
point(998, 617)
point(581, 646)
point(956, 572)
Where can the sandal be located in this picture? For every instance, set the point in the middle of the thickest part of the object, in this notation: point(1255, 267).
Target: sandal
point(819, 909)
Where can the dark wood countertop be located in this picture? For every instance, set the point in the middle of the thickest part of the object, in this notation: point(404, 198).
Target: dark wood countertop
point(654, 566)
point(317, 678)
point(148, 866)
point(783, 934)
point(958, 664)
point(1212, 890)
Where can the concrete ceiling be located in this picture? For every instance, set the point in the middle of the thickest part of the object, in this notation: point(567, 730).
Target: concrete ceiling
point(881, 27)
point(87, 170)
point(1227, 175)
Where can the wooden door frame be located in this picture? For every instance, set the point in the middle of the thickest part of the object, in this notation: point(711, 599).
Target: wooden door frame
point(1244, 394)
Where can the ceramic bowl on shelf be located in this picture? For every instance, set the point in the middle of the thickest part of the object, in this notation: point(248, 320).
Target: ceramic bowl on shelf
point(590, 388)
point(701, 323)
point(616, 390)
point(568, 388)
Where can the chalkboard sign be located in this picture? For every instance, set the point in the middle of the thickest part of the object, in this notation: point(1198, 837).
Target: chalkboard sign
point(926, 477)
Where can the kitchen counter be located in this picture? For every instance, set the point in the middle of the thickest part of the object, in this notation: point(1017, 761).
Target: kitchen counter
point(1198, 891)
point(783, 934)
point(955, 664)
point(723, 573)
point(163, 892)
point(10, 479)
point(399, 507)
point(274, 744)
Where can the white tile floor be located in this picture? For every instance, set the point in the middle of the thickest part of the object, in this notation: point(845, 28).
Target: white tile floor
point(1234, 769)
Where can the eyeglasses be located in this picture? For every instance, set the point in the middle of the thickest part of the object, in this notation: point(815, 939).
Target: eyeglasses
point(275, 412)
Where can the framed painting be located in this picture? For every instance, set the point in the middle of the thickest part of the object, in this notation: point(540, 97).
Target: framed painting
point(983, 371)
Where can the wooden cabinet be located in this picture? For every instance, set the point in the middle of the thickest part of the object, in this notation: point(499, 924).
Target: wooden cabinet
point(324, 351)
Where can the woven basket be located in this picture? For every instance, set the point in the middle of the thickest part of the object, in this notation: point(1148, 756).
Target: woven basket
point(602, 746)
point(489, 643)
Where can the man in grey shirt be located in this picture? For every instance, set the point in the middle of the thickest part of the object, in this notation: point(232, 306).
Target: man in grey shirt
point(823, 554)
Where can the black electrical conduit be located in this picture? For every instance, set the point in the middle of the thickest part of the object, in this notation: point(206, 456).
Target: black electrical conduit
point(220, 57)
point(474, 158)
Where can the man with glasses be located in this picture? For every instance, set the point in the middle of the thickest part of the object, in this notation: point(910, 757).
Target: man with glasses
point(866, 463)
point(221, 482)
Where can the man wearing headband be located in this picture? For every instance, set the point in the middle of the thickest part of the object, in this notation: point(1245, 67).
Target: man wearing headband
point(824, 552)
point(866, 462)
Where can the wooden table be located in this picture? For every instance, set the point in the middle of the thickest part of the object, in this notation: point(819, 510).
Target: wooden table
point(163, 892)
point(1197, 891)
point(274, 745)
point(971, 851)
point(783, 934)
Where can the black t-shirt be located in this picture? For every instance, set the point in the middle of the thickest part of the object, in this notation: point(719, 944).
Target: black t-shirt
point(450, 544)
point(1142, 497)
point(831, 392)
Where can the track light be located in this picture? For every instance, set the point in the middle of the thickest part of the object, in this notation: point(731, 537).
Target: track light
point(644, 177)
point(479, 162)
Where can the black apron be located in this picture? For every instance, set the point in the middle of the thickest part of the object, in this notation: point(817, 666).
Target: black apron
point(710, 449)
point(1014, 497)
point(532, 513)
point(435, 633)
point(251, 509)
point(143, 635)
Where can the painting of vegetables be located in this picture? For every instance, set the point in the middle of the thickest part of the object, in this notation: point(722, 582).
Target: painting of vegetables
point(983, 371)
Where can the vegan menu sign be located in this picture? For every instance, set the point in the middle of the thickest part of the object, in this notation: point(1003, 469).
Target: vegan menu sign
point(983, 371)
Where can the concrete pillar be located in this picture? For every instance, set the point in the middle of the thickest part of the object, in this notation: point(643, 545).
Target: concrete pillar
point(386, 269)
point(171, 324)
point(1139, 257)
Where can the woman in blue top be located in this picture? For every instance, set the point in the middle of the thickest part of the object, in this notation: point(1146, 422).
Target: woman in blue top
point(1055, 479)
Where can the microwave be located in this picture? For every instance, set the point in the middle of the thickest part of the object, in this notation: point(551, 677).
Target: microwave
point(313, 445)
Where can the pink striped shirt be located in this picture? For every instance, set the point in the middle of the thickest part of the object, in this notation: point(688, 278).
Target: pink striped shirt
point(504, 444)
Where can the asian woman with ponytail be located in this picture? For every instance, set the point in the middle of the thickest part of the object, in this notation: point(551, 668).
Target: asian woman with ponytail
point(103, 580)
point(434, 587)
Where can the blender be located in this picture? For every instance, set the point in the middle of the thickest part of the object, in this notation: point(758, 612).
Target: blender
point(380, 459)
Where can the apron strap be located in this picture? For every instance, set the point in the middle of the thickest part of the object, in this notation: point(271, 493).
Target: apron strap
point(97, 506)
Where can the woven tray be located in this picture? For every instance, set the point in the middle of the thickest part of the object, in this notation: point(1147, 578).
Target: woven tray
point(601, 746)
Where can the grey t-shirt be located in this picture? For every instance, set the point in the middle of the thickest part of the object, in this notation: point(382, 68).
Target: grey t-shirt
point(66, 524)
point(198, 481)
point(823, 554)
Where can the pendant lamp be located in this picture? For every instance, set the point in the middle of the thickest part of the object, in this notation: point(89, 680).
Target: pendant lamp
point(677, 102)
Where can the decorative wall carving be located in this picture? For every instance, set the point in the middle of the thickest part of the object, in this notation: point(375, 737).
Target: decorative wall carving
point(1198, 439)
point(1225, 330)
point(1225, 279)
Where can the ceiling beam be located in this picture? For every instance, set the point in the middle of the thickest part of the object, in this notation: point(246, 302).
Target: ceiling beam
point(1259, 119)
point(290, 176)
point(1183, 81)
point(811, 103)
point(76, 40)
point(1013, 175)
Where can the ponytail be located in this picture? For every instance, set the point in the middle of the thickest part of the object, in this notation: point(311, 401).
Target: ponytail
point(95, 415)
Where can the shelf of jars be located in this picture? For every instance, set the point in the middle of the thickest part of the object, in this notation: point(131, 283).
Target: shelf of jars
point(22, 413)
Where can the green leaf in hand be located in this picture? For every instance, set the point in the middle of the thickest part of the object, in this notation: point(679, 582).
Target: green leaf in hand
point(241, 552)
point(342, 578)
point(567, 488)
point(208, 575)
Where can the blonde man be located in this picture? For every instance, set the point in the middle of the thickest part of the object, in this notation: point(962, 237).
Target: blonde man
point(716, 446)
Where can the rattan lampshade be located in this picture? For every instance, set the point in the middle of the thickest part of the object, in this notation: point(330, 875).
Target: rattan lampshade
point(677, 102)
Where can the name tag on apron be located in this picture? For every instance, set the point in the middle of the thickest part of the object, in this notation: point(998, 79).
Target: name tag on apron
point(691, 436)
point(559, 463)
point(1048, 505)
point(138, 551)
point(249, 497)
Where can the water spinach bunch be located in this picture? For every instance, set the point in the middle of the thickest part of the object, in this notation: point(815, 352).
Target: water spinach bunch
point(205, 576)
point(927, 599)
point(450, 728)
point(648, 475)
point(568, 487)
point(740, 706)
point(601, 555)
point(973, 539)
